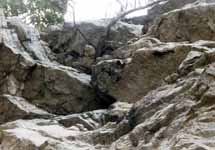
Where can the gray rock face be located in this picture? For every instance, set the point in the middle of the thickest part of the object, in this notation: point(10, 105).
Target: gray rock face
point(147, 64)
point(13, 108)
point(174, 116)
point(70, 45)
point(176, 110)
point(191, 23)
point(164, 93)
point(89, 130)
point(28, 72)
point(157, 10)
point(167, 6)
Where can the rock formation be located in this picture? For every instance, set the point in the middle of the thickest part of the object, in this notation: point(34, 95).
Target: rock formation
point(153, 92)
point(28, 72)
point(75, 45)
point(159, 9)
point(188, 24)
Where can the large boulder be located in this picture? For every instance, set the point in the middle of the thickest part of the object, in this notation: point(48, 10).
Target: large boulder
point(13, 108)
point(191, 23)
point(144, 69)
point(94, 130)
point(178, 115)
point(28, 70)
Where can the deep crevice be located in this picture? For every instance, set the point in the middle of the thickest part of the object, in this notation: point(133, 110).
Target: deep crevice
point(104, 99)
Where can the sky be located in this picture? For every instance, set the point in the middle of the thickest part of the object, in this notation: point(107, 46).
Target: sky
point(96, 9)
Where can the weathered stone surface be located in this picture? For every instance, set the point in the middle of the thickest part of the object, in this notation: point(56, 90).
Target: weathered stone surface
point(162, 94)
point(71, 46)
point(89, 120)
point(135, 44)
point(157, 10)
point(98, 118)
point(91, 130)
point(167, 6)
point(49, 135)
point(175, 116)
point(39, 134)
point(143, 69)
point(26, 70)
point(27, 39)
point(106, 74)
point(93, 32)
point(191, 23)
point(13, 108)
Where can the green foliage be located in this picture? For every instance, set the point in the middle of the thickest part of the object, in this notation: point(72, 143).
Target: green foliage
point(13, 7)
point(40, 13)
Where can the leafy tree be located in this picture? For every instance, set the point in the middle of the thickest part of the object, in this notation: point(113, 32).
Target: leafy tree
point(12, 7)
point(40, 13)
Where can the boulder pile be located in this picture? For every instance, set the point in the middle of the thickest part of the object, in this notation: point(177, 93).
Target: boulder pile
point(154, 92)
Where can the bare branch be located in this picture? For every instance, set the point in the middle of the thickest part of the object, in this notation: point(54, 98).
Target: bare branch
point(102, 42)
point(116, 19)
point(77, 28)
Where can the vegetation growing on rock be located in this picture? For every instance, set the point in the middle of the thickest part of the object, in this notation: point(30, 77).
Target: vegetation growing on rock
point(41, 13)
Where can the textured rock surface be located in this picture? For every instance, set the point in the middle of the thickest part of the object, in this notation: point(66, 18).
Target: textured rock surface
point(157, 10)
point(13, 108)
point(191, 23)
point(90, 130)
point(71, 46)
point(167, 6)
point(174, 116)
point(148, 66)
point(27, 71)
point(162, 92)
